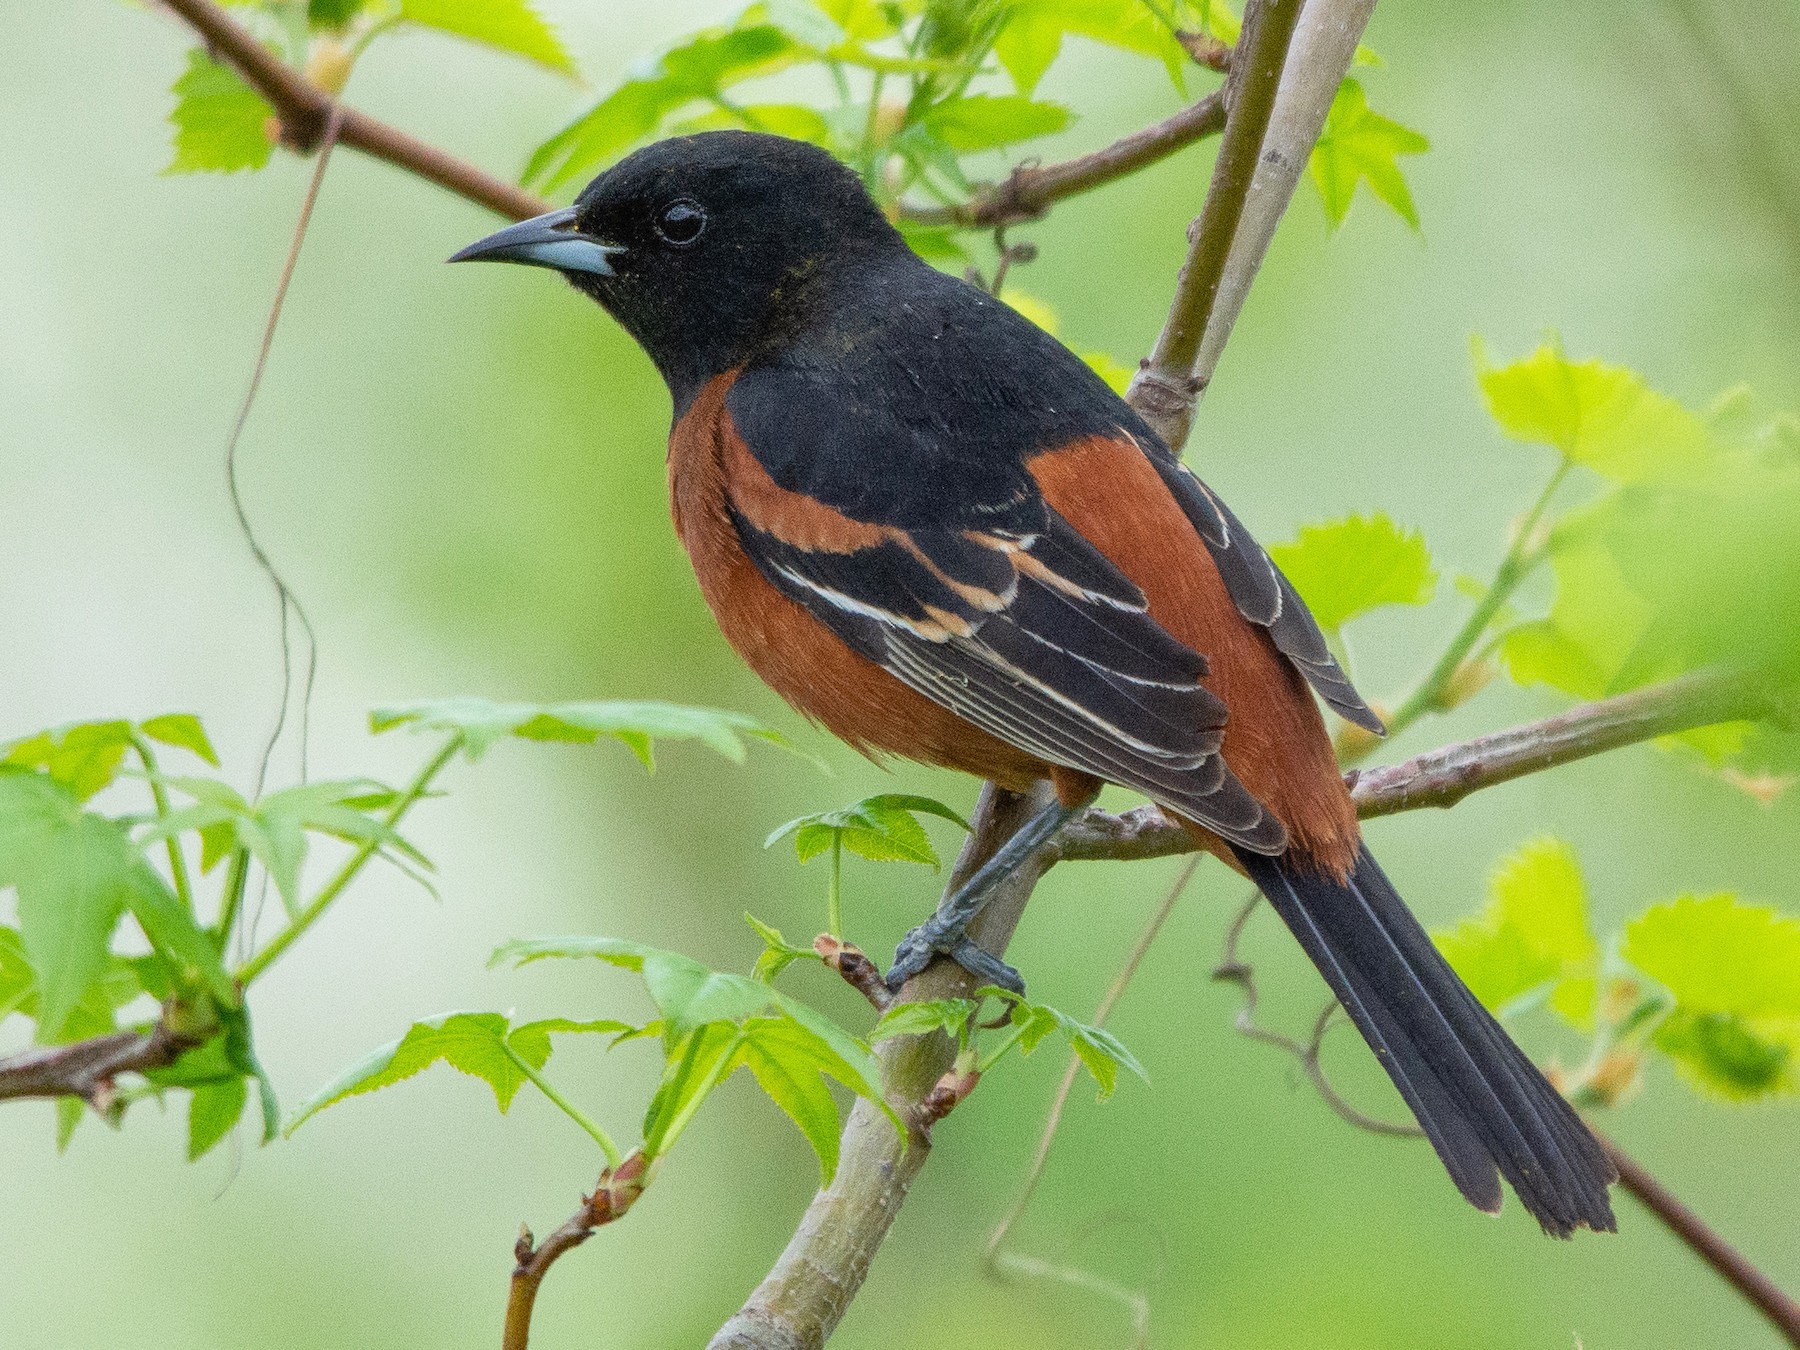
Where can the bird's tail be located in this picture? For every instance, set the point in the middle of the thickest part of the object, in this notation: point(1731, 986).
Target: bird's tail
point(1485, 1107)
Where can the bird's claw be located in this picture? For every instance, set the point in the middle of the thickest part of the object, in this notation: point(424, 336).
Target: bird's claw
point(926, 942)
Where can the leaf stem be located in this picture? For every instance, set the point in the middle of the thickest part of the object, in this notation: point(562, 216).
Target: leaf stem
point(1521, 559)
point(317, 906)
point(834, 888)
point(235, 880)
point(563, 1104)
point(722, 1067)
point(178, 872)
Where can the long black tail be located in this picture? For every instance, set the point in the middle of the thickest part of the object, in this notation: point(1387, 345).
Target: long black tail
point(1485, 1107)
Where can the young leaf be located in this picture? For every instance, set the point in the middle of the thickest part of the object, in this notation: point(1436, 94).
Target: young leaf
point(1734, 971)
point(1028, 46)
point(781, 1058)
point(1348, 567)
point(1101, 1053)
point(508, 25)
point(1598, 415)
point(474, 1043)
point(697, 1063)
point(182, 730)
point(948, 1015)
point(883, 828)
point(1533, 934)
point(221, 124)
point(240, 1053)
point(987, 121)
point(777, 953)
point(636, 725)
point(1359, 145)
point(699, 68)
point(83, 757)
point(213, 1110)
point(18, 982)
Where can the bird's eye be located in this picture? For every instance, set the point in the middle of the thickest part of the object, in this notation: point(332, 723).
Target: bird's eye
point(680, 222)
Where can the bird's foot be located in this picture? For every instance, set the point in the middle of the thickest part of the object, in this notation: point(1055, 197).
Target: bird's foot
point(932, 939)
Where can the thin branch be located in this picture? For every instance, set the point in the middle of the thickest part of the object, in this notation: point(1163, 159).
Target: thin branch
point(614, 1194)
point(87, 1069)
point(303, 109)
point(1727, 1262)
point(1032, 189)
point(1164, 389)
point(1442, 778)
point(803, 1297)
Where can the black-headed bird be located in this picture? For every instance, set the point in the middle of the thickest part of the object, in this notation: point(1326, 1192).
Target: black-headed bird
point(934, 530)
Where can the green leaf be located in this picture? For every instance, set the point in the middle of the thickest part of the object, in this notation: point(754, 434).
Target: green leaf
point(1734, 971)
point(783, 1058)
point(1101, 1053)
point(636, 724)
point(334, 14)
point(777, 953)
point(181, 942)
point(69, 1111)
point(1598, 415)
point(473, 1043)
point(1533, 935)
point(182, 730)
point(781, 119)
point(83, 757)
point(1348, 567)
point(213, 1111)
point(509, 25)
point(18, 982)
point(948, 1015)
point(531, 1040)
point(74, 873)
point(1115, 372)
point(1359, 145)
point(221, 124)
point(1130, 25)
point(986, 121)
point(1729, 1056)
point(1718, 954)
point(806, 23)
point(240, 1052)
point(699, 68)
point(883, 828)
point(1028, 46)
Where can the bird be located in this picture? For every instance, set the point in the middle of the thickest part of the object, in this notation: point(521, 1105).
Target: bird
point(934, 531)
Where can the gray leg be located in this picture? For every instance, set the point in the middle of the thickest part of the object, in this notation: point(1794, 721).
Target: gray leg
point(944, 932)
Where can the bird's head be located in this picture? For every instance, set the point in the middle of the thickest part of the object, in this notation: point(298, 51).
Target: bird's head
point(706, 247)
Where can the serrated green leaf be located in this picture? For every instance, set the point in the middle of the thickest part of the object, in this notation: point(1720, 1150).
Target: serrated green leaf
point(74, 873)
point(1359, 145)
point(83, 757)
point(776, 956)
point(697, 1063)
point(1532, 936)
point(698, 68)
point(882, 828)
point(213, 1111)
point(1101, 1053)
point(221, 124)
point(948, 1015)
point(1718, 954)
point(184, 731)
point(1028, 46)
point(1348, 567)
point(988, 121)
point(508, 25)
point(1595, 414)
point(636, 724)
point(531, 1040)
point(473, 1043)
point(1129, 25)
point(783, 1059)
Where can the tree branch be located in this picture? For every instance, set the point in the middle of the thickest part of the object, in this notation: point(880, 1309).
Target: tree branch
point(811, 1285)
point(1031, 189)
point(1442, 778)
point(1727, 1261)
point(87, 1069)
point(616, 1192)
point(1164, 389)
point(303, 108)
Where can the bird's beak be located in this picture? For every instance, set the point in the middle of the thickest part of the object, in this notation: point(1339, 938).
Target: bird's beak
point(549, 240)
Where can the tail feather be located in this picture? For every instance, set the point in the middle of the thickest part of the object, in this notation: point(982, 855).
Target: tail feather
point(1486, 1108)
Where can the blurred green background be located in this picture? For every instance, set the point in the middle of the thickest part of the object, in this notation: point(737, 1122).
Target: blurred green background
point(461, 472)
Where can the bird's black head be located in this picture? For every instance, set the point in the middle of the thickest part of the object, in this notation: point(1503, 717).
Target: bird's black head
point(708, 247)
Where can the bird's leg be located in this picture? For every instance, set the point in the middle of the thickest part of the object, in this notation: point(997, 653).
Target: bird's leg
point(945, 932)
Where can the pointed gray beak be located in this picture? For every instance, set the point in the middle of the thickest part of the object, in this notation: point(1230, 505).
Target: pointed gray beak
point(549, 240)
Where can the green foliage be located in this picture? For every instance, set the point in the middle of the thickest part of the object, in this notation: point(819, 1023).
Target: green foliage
point(1734, 972)
point(1348, 567)
point(1359, 145)
point(1100, 1052)
point(480, 723)
point(508, 25)
point(483, 1045)
point(777, 953)
point(883, 828)
point(1532, 940)
point(85, 757)
point(948, 1015)
point(988, 121)
point(221, 124)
